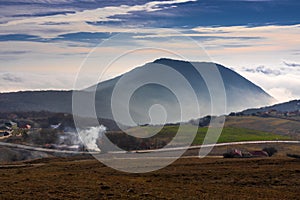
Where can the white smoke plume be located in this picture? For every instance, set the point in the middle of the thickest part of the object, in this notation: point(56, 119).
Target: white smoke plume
point(91, 135)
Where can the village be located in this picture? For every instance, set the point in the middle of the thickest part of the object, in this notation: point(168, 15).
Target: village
point(62, 137)
point(10, 128)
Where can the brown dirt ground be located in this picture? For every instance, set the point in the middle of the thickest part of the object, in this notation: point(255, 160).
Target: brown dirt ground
point(187, 178)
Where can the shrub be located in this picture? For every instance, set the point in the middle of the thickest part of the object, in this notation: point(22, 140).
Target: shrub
point(270, 150)
point(45, 136)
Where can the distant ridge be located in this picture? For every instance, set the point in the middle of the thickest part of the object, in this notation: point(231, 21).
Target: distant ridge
point(290, 106)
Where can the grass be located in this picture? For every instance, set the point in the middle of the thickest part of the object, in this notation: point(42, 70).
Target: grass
point(232, 134)
point(229, 134)
point(193, 178)
point(269, 124)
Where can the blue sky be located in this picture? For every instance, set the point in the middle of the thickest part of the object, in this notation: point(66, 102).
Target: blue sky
point(44, 42)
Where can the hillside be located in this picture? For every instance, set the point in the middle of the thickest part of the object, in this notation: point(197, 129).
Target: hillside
point(240, 93)
point(229, 134)
point(290, 106)
point(236, 129)
point(268, 124)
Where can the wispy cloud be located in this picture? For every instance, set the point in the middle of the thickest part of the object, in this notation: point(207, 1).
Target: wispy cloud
point(283, 88)
point(16, 52)
point(100, 14)
point(8, 77)
point(291, 64)
point(19, 37)
point(264, 70)
point(66, 21)
point(32, 81)
point(82, 37)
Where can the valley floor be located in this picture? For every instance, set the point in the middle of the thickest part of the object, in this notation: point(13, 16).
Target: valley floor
point(83, 177)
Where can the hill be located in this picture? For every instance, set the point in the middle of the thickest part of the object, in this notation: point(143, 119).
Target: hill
point(269, 124)
point(290, 106)
point(229, 134)
point(240, 94)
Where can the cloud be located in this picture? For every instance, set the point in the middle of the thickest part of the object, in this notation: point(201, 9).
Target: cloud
point(16, 52)
point(291, 64)
point(188, 14)
point(19, 37)
point(196, 36)
point(53, 21)
point(283, 87)
point(43, 14)
point(282, 94)
point(83, 37)
point(8, 77)
point(264, 70)
point(17, 81)
point(255, 0)
point(101, 14)
point(86, 37)
point(42, 1)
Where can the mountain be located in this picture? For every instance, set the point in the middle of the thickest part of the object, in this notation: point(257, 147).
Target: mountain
point(290, 106)
point(240, 93)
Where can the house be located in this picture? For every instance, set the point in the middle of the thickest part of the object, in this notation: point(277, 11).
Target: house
point(7, 128)
point(292, 114)
point(4, 128)
point(25, 126)
point(272, 112)
point(233, 154)
point(237, 153)
point(259, 154)
point(11, 124)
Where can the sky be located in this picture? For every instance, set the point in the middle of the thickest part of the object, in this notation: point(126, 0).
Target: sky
point(45, 44)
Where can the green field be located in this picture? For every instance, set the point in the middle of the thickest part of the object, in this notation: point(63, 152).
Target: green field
point(267, 124)
point(229, 134)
